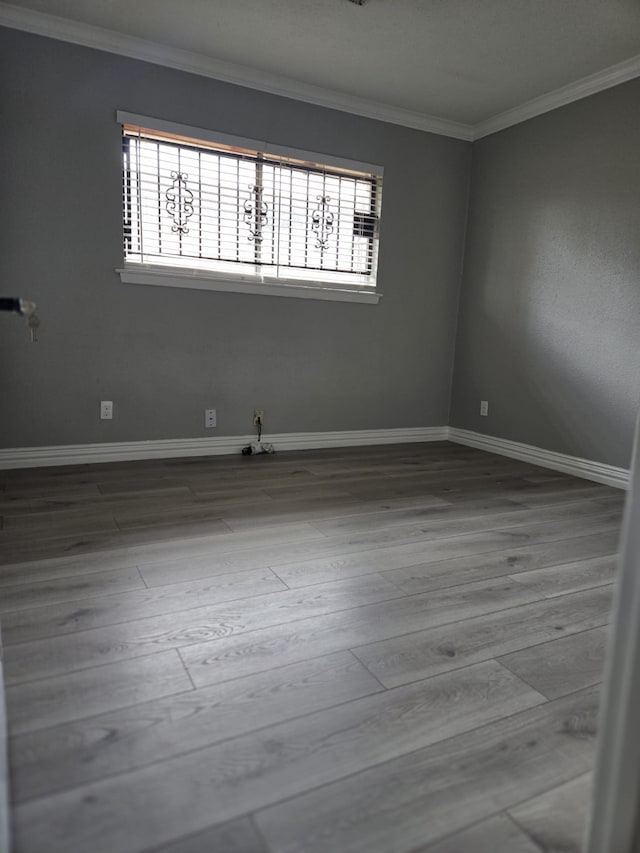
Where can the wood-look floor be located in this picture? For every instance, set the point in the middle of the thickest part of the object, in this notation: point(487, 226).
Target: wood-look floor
point(383, 650)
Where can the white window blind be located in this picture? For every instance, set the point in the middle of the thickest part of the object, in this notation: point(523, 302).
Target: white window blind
point(223, 208)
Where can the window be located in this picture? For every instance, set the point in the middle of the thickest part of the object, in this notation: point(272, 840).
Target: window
point(207, 210)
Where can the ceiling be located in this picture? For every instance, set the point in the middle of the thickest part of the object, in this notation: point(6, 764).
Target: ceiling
point(462, 61)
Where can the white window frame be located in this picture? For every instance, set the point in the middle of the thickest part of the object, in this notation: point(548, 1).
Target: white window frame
point(166, 275)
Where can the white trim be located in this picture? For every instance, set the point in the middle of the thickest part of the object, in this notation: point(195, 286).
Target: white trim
point(205, 281)
point(261, 145)
point(82, 454)
point(613, 821)
point(111, 41)
point(598, 82)
point(598, 471)
point(99, 38)
point(231, 277)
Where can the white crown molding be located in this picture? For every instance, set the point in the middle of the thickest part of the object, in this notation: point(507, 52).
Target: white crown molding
point(82, 454)
point(52, 26)
point(597, 471)
point(64, 29)
point(620, 73)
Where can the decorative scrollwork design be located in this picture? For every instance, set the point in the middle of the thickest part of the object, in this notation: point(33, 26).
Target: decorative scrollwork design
point(255, 213)
point(322, 220)
point(179, 202)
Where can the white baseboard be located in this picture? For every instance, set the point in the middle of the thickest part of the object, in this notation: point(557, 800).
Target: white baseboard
point(598, 471)
point(82, 454)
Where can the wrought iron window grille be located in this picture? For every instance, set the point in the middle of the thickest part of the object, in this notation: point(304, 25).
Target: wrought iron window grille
point(255, 213)
point(198, 206)
point(322, 222)
point(179, 204)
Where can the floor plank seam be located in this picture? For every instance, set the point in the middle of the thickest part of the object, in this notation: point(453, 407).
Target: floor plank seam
point(481, 554)
point(62, 675)
point(470, 618)
point(337, 540)
point(326, 535)
point(195, 750)
point(502, 524)
point(131, 552)
point(384, 572)
point(186, 669)
point(292, 622)
point(71, 601)
point(371, 673)
point(545, 699)
point(5, 585)
point(231, 602)
point(512, 576)
point(362, 551)
point(274, 625)
point(141, 576)
point(507, 814)
point(496, 658)
point(561, 636)
point(476, 512)
point(435, 842)
point(282, 580)
point(537, 689)
point(258, 831)
point(549, 789)
point(522, 829)
point(552, 596)
point(125, 773)
point(353, 775)
point(150, 589)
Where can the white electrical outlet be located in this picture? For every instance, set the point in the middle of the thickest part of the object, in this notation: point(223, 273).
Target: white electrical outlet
point(258, 415)
point(106, 410)
point(484, 408)
point(210, 419)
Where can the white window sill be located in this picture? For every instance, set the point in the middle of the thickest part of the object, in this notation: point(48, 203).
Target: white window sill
point(200, 280)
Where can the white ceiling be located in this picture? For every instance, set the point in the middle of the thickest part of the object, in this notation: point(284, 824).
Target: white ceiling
point(463, 61)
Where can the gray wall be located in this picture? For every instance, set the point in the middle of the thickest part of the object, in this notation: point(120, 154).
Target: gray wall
point(163, 355)
point(549, 323)
point(549, 318)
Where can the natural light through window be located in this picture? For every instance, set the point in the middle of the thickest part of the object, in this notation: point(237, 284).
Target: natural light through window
point(215, 209)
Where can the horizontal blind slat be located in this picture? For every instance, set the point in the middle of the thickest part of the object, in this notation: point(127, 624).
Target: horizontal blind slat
point(189, 205)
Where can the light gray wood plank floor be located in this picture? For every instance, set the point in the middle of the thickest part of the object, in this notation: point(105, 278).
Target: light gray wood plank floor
point(388, 649)
point(557, 820)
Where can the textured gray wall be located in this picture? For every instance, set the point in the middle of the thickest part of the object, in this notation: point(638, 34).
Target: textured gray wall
point(163, 355)
point(549, 323)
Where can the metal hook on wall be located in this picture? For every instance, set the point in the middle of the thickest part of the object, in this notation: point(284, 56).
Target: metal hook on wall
point(25, 309)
